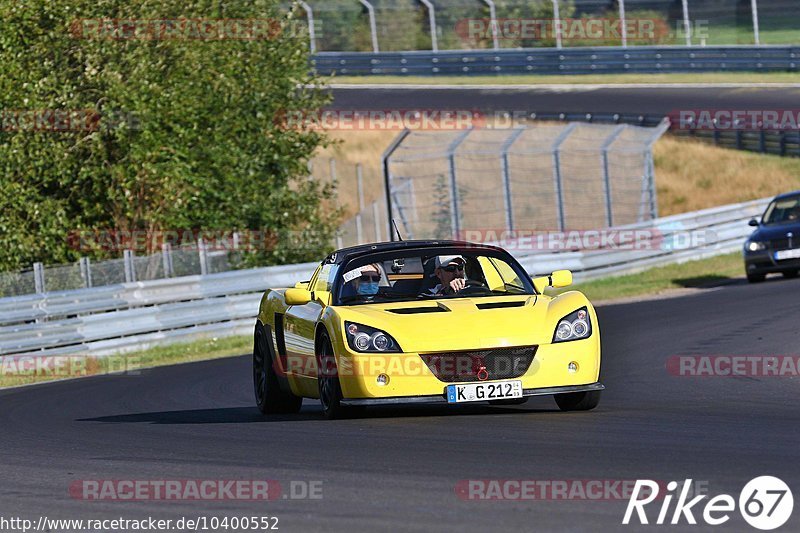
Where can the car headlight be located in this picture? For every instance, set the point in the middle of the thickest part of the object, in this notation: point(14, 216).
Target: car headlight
point(574, 326)
point(754, 246)
point(365, 339)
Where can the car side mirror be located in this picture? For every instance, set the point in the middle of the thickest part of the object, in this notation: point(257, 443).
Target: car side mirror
point(301, 285)
point(297, 296)
point(558, 279)
point(561, 278)
point(753, 222)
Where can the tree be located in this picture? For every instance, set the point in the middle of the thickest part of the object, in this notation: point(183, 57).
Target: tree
point(181, 131)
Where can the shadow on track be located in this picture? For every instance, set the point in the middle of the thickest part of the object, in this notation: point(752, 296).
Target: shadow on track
point(250, 415)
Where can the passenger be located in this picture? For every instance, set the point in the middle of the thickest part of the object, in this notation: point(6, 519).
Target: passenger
point(367, 283)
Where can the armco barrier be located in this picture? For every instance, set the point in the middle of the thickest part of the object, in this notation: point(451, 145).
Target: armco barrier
point(594, 60)
point(134, 316)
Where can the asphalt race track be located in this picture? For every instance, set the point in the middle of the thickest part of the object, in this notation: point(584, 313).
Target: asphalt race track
point(654, 100)
point(397, 469)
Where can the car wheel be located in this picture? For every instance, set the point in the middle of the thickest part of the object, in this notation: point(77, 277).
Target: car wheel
point(270, 398)
point(578, 401)
point(755, 278)
point(330, 390)
point(789, 274)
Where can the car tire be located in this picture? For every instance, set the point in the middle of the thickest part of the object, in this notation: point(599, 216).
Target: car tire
point(756, 278)
point(578, 401)
point(270, 398)
point(789, 274)
point(330, 389)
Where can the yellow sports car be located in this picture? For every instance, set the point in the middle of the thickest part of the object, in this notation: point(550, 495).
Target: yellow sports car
point(424, 321)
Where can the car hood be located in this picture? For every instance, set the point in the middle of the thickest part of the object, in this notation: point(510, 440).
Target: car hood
point(459, 323)
point(776, 231)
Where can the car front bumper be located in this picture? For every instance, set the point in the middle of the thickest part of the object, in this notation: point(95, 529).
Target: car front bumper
point(441, 398)
point(409, 376)
point(763, 262)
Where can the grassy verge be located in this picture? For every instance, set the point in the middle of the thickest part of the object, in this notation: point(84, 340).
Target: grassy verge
point(578, 79)
point(16, 372)
point(702, 273)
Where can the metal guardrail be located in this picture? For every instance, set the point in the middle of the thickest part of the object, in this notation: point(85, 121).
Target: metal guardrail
point(138, 315)
point(710, 232)
point(590, 60)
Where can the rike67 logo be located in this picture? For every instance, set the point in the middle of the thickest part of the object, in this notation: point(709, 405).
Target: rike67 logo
point(765, 503)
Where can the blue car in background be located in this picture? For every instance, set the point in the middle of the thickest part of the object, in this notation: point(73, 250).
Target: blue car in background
point(775, 244)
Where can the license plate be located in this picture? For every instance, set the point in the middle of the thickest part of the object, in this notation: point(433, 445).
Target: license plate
point(787, 254)
point(478, 392)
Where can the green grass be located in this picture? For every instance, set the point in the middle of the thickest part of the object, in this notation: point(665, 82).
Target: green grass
point(80, 366)
point(702, 273)
point(577, 79)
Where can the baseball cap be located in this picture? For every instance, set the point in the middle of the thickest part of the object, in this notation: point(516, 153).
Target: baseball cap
point(444, 260)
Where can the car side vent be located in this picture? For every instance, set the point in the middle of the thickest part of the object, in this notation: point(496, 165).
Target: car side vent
point(499, 305)
point(279, 339)
point(418, 310)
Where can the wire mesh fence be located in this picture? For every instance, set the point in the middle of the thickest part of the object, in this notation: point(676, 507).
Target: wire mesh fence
point(184, 260)
point(398, 25)
point(540, 177)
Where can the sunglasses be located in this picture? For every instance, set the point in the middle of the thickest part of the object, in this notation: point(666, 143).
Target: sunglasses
point(367, 277)
point(453, 268)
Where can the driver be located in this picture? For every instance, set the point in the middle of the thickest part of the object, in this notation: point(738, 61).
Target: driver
point(450, 272)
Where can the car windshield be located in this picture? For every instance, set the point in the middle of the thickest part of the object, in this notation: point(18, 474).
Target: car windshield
point(452, 273)
point(783, 210)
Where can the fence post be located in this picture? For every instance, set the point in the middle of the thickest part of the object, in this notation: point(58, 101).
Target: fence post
point(623, 29)
point(312, 37)
point(507, 198)
point(432, 21)
point(387, 178)
point(686, 24)
point(607, 175)
point(130, 270)
point(38, 278)
point(455, 215)
point(86, 272)
point(375, 215)
point(651, 167)
point(557, 23)
point(754, 8)
point(201, 250)
point(373, 28)
point(332, 167)
point(557, 174)
point(166, 259)
point(360, 193)
point(493, 23)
